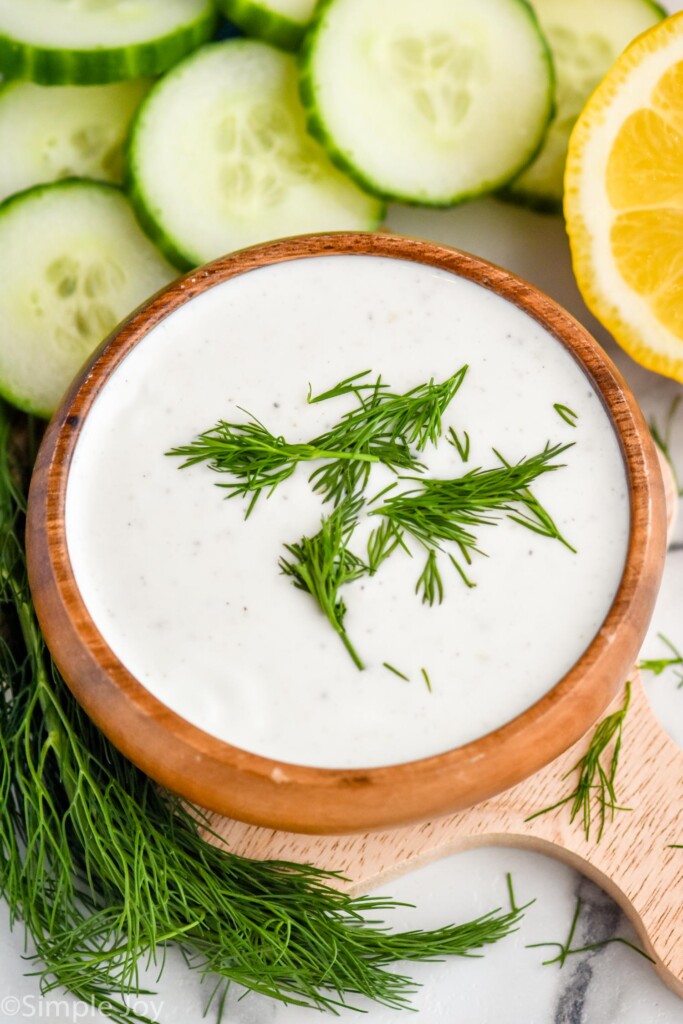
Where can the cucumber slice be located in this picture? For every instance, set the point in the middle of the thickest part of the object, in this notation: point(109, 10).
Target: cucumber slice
point(73, 263)
point(64, 131)
point(585, 39)
point(89, 42)
point(431, 102)
point(280, 22)
point(219, 158)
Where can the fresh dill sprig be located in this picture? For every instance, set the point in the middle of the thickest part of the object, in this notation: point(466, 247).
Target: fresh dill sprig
point(396, 672)
point(565, 413)
point(414, 416)
point(353, 385)
point(106, 870)
point(384, 423)
point(448, 511)
point(402, 675)
point(429, 582)
point(532, 514)
point(566, 950)
point(511, 895)
point(339, 478)
point(511, 891)
point(461, 447)
point(662, 439)
point(596, 784)
point(381, 428)
point(322, 564)
point(659, 665)
point(260, 460)
point(382, 542)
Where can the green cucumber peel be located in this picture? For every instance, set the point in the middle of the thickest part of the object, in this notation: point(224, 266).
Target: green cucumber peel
point(101, 64)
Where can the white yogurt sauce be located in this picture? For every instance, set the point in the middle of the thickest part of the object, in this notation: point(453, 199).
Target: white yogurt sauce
point(188, 594)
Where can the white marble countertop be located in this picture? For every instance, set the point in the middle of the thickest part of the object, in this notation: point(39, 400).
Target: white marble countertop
point(612, 985)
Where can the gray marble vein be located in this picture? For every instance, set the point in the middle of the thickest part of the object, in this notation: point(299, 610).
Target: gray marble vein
point(598, 922)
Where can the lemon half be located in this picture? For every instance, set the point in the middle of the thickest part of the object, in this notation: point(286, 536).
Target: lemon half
point(624, 199)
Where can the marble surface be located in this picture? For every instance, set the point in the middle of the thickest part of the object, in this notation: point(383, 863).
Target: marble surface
point(509, 985)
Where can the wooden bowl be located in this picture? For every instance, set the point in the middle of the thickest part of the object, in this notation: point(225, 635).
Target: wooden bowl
point(262, 791)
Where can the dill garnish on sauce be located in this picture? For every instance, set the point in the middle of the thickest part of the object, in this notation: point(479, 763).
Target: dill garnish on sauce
point(435, 512)
point(322, 564)
point(441, 516)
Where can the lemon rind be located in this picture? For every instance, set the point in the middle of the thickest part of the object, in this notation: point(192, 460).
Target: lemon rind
point(588, 212)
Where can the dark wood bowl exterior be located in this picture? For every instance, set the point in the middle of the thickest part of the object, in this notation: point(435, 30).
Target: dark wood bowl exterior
point(265, 792)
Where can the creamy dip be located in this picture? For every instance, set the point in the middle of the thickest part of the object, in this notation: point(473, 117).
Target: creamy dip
point(189, 595)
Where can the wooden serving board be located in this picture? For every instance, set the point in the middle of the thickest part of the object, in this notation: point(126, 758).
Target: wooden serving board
point(634, 861)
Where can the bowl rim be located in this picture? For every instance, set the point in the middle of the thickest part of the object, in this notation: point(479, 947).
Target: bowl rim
point(263, 791)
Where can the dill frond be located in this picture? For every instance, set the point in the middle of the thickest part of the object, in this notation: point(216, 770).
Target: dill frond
point(565, 413)
point(381, 428)
point(436, 512)
point(659, 665)
point(257, 459)
point(396, 672)
point(322, 564)
point(415, 416)
point(565, 948)
point(461, 447)
point(596, 783)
